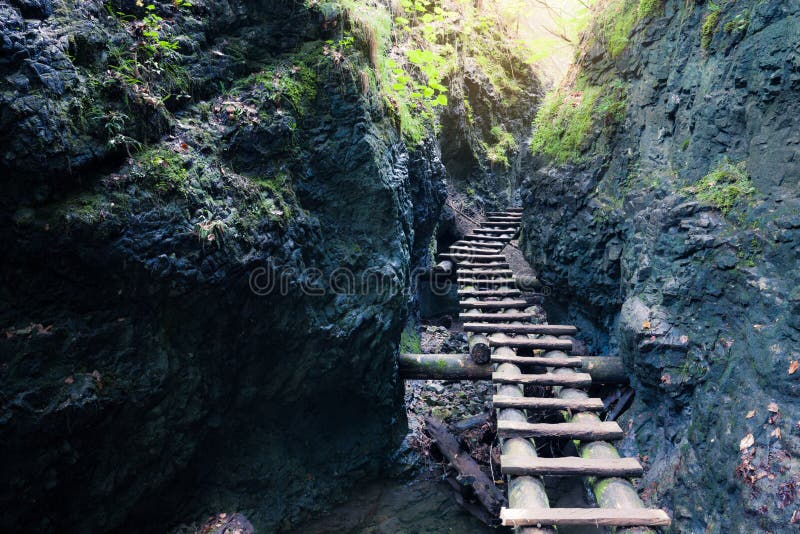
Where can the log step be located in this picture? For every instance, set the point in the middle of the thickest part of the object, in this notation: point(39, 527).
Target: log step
point(480, 250)
point(608, 517)
point(549, 329)
point(488, 282)
point(607, 431)
point(494, 231)
point(505, 218)
point(489, 292)
point(540, 362)
point(571, 466)
point(484, 265)
point(511, 316)
point(542, 403)
point(509, 211)
point(521, 342)
point(486, 273)
point(498, 224)
point(473, 257)
point(476, 242)
point(491, 237)
point(494, 304)
point(574, 380)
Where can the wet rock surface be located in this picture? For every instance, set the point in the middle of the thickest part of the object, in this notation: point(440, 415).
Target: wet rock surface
point(150, 373)
point(699, 302)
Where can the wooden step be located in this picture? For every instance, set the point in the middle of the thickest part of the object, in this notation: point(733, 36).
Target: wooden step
point(543, 403)
point(571, 466)
point(506, 218)
point(601, 517)
point(492, 237)
point(539, 362)
point(573, 380)
point(493, 231)
point(487, 273)
point(551, 329)
point(513, 316)
point(472, 257)
point(490, 282)
point(494, 304)
point(501, 213)
point(489, 292)
point(475, 242)
point(479, 250)
point(485, 225)
point(522, 342)
point(608, 431)
point(482, 265)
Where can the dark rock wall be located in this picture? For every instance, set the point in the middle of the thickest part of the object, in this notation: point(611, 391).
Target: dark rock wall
point(701, 305)
point(143, 380)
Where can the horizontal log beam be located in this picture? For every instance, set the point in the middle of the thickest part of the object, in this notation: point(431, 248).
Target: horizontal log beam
point(603, 369)
point(534, 361)
point(497, 316)
point(502, 340)
point(601, 517)
point(494, 304)
point(483, 265)
point(467, 292)
point(576, 380)
point(580, 431)
point(552, 329)
point(472, 257)
point(571, 466)
point(545, 403)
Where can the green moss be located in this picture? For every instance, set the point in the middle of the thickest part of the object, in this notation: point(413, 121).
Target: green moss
point(724, 187)
point(410, 341)
point(567, 117)
point(294, 84)
point(709, 25)
point(504, 143)
point(279, 200)
point(160, 169)
point(648, 7)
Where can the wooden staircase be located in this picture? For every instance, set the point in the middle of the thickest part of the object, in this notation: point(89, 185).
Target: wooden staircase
point(495, 315)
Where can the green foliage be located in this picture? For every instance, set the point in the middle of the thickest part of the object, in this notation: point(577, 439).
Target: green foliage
point(647, 7)
point(568, 115)
point(160, 169)
point(724, 187)
point(294, 84)
point(710, 23)
point(151, 68)
point(410, 341)
point(739, 23)
point(498, 152)
point(281, 197)
point(562, 124)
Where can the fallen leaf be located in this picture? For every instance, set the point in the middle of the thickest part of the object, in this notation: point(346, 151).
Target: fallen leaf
point(776, 433)
point(646, 325)
point(666, 379)
point(69, 380)
point(773, 407)
point(793, 367)
point(747, 442)
point(750, 414)
point(684, 340)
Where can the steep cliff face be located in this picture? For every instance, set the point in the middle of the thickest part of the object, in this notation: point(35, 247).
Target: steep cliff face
point(669, 231)
point(161, 165)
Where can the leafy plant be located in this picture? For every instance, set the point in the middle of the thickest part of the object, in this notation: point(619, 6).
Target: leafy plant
point(710, 23)
point(505, 143)
point(725, 186)
point(151, 67)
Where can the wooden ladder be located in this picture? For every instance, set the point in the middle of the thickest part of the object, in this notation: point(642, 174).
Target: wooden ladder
point(497, 320)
